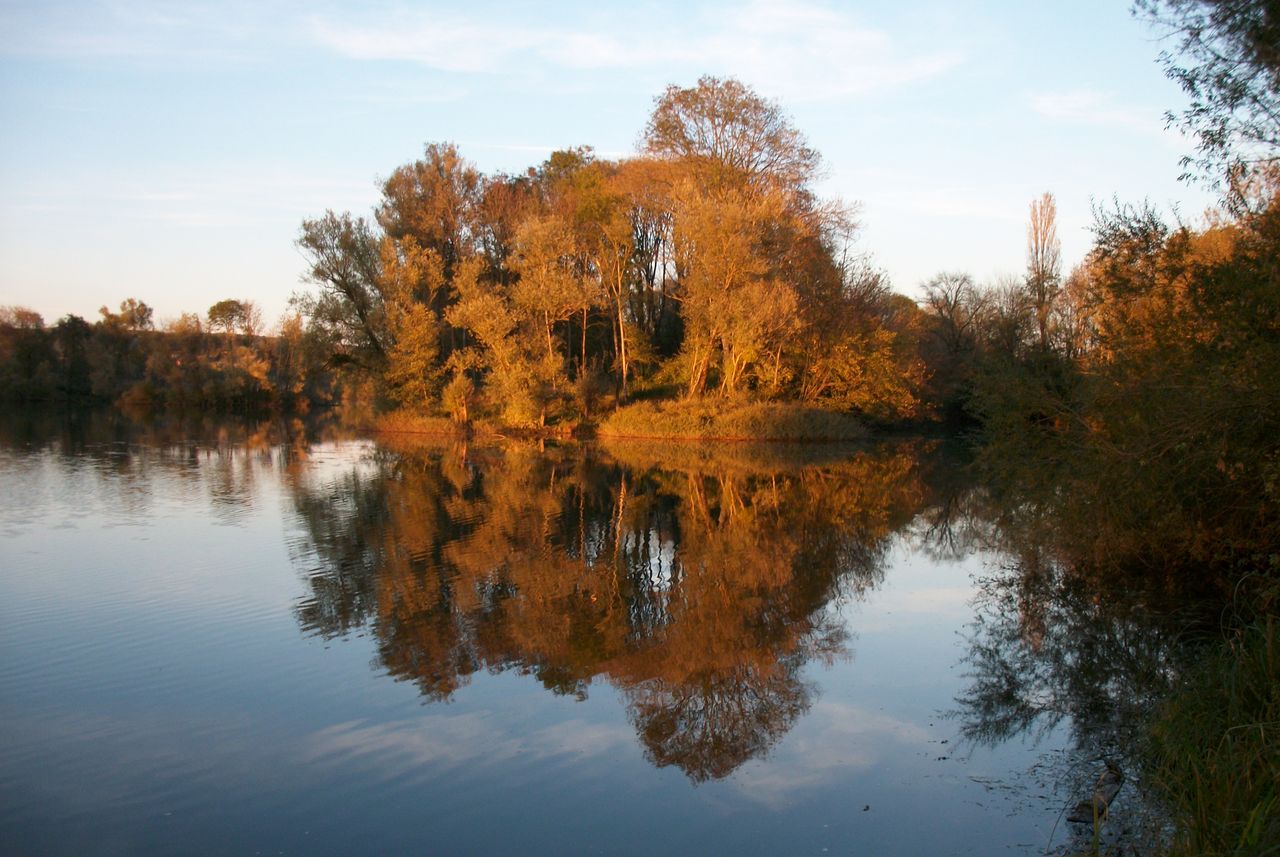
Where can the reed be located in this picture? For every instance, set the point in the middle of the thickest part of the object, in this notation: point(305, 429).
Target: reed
point(1214, 748)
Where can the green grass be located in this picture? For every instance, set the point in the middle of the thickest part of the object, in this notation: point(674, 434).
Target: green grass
point(714, 419)
point(1215, 749)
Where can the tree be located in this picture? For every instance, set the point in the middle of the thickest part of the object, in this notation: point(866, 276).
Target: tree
point(411, 284)
point(732, 301)
point(510, 347)
point(1227, 61)
point(731, 135)
point(1044, 262)
point(343, 255)
point(413, 370)
point(956, 306)
point(21, 317)
point(550, 287)
point(133, 315)
point(435, 200)
point(71, 335)
point(227, 314)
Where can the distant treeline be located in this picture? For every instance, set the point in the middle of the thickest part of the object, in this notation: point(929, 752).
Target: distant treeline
point(221, 363)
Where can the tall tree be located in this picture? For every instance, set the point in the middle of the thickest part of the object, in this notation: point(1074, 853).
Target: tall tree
point(435, 201)
point(733, 301)
point(229, 315)
point(1044, 262)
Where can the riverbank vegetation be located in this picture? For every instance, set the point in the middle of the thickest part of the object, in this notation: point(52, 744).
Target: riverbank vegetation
point(224, 361)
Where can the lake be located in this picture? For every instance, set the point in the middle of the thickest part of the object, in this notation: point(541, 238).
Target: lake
point(231, 637)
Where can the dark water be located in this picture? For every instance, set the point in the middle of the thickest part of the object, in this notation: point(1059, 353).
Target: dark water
point(269, 638)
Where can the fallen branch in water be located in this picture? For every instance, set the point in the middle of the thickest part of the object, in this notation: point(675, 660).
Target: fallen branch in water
point(1104, 792)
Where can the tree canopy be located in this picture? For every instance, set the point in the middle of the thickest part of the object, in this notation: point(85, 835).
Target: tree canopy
point(705, 265)
point(1226, 58)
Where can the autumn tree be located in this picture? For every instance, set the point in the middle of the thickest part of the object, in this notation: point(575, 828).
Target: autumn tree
point(586, 197)
point(231, 315)
point(730, 135)
point(740, 205)
point(509, 349)
point(614, 252)
point(1044, 263)
point(645, 184)
point(134, 315)
point(21, 317)
point(435, 201)
point(732, 303)
point(551, 285)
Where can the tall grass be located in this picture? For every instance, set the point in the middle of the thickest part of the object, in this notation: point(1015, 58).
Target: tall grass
point(1214, 749)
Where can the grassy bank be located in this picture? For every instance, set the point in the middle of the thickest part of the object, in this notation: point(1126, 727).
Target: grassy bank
point(410, 422)
point(714, 419)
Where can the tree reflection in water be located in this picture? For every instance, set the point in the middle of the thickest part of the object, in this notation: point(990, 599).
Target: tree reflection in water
point(698, 582)
point(698, 585)
point(1047, 648)
point(1072, 628)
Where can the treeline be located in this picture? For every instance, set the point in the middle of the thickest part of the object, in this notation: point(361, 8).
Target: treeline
point(707, 270)
point(224, 361)
point(1144, 384)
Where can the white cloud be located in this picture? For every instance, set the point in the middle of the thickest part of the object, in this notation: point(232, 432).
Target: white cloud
point(797, 51)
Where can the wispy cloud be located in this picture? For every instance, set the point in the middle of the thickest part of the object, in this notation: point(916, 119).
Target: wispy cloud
point(245, 198)
point(1088, 107)
point(800, 51)
point(139, 30)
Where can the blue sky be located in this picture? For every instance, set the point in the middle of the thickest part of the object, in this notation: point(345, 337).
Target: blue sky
point(169, 151)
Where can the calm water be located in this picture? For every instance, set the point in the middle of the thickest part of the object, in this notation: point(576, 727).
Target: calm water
point(243, 639)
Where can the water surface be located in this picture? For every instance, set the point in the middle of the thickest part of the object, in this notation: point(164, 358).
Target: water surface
point(230, 638)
